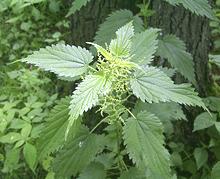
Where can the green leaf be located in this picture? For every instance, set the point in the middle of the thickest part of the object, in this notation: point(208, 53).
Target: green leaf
point(176, 159)
point(144, 46)
point(107, 159)
point(10, 137)
point(174, 50)
point(164, 111)
point(63, 60)
point(53, 135)
point(11, 160)
point(199, 7)
point(87, 95)
point(50, 175)
point(117, 19)
point(204, 120)
point(215, 59)
point(152, 85)
point(189, 165)
point(26, 130)
point(215, 174)
point(168, 71)
point(201, 156)
point(30, 155)
point(132, 173)
point(94, 170)
point(76, 6)
point(144, 142)
point(77, 153)
point(19, 143)
point(213, 103)
point(121, 46)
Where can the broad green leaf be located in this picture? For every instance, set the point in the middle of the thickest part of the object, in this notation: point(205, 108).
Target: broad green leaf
point(189, 165)
point(215, 59)
point(144, 142)
point(10, 137)
point(94, 170)
point(176, 159)
point(76, 6)
point(53, 135)
point(50, 175)
point(215, 174)
point(144, 46)
point(174, 50)
point(117, 19)
point(120, 47)
point(63, 60)
point(17, 124)
point(87, 95)
point(26, 130)
point(168, 71)
point(107, 159)
point(36, 131)
point(77, 153)
point(213, 103)
point(30, 155)
point(132, 173)
point(199, 7)
point(19, 143)
point(203, 121)
point(164, 111)
point(11, 160)
point(152, 85)
point(201, 157)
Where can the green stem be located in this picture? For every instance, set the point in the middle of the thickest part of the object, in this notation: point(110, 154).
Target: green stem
point(125, 166)
point(130, 113)
point(97, 125)
point(145, 18)
point(121, 162)
point(118, 145)
point(93, 69)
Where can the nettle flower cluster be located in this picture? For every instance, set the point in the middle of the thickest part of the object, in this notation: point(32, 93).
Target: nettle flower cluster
point(123, 69)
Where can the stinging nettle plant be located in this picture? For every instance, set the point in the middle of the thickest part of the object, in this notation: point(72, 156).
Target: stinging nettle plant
point(128, 140)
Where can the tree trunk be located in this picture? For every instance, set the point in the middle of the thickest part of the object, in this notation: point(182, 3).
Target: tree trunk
point(85, 23)
point(193, 30)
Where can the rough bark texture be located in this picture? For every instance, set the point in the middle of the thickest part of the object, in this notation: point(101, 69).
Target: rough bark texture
point(85, 23)
point(193, 30)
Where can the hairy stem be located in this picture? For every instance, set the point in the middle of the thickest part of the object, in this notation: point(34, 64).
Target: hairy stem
point(97, 125)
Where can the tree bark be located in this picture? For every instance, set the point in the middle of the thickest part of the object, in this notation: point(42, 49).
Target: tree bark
point(85, 23)
point(193, 30)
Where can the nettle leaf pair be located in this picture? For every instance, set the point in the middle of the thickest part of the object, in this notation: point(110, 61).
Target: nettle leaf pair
point(122, 70)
